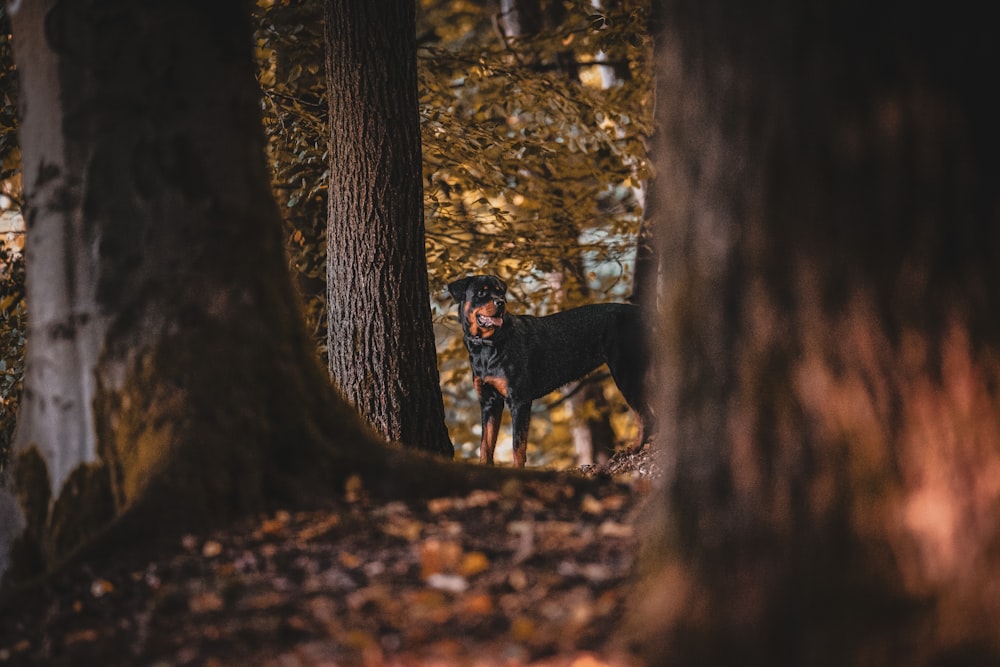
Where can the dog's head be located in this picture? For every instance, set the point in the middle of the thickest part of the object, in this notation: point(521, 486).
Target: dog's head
point(482, 304)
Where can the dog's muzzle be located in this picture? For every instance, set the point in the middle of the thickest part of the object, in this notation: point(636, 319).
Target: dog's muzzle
point(494, 321)
point(487, 322)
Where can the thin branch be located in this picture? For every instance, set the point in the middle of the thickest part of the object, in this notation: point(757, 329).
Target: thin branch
point(590, 379)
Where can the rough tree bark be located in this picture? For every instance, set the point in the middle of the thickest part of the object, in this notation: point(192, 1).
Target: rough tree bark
point(827, 186)
point(381, 341)
point(169, 374)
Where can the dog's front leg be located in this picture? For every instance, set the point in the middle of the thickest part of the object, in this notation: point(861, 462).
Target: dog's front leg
point(491, 405)
point(520, 416)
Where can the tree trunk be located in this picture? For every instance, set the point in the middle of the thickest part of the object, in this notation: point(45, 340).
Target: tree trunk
point(647, 259)
point(381, 342)
point(827, 186)
point(169, 375)
point(590, 425)
point(520, 18)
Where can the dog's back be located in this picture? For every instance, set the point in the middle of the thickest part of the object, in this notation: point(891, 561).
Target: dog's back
point(565, 346)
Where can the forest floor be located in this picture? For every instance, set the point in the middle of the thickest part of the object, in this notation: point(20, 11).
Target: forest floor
point(534, 574)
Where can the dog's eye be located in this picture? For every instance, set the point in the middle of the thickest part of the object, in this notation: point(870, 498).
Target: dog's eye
point(481, 293)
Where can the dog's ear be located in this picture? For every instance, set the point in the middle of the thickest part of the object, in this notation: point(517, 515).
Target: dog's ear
point(457, 289)
point(503, 285)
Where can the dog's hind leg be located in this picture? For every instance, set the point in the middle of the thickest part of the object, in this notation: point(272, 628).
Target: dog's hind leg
point(638, 400)
point(628, 366)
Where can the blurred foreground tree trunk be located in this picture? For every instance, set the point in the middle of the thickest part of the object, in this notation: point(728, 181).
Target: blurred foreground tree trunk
point(829, 200)
point(381, 342)
point(170, 384)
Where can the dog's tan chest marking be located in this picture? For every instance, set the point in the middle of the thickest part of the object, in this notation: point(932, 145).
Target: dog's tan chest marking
point(498, 383)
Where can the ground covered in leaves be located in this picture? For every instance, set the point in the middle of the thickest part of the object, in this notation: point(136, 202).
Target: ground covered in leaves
point(533, 574)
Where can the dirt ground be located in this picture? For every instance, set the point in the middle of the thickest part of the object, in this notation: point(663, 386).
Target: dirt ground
point(533, 574)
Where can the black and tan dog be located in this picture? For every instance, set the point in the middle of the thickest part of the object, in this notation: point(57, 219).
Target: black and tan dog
point(519, 358)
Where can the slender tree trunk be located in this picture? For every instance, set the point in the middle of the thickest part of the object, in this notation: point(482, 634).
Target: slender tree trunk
point(381, 342)
point(827, 185)
point(520, 18)
point(593, 436)
point(169, 375)
point(647, 259)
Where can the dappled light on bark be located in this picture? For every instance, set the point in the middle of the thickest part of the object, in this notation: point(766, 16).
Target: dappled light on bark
point(918, 426)
point(853, 503)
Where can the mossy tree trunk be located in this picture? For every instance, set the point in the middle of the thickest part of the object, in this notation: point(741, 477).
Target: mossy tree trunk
point(381, 341)
point(169, 373)
point(830, 233)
